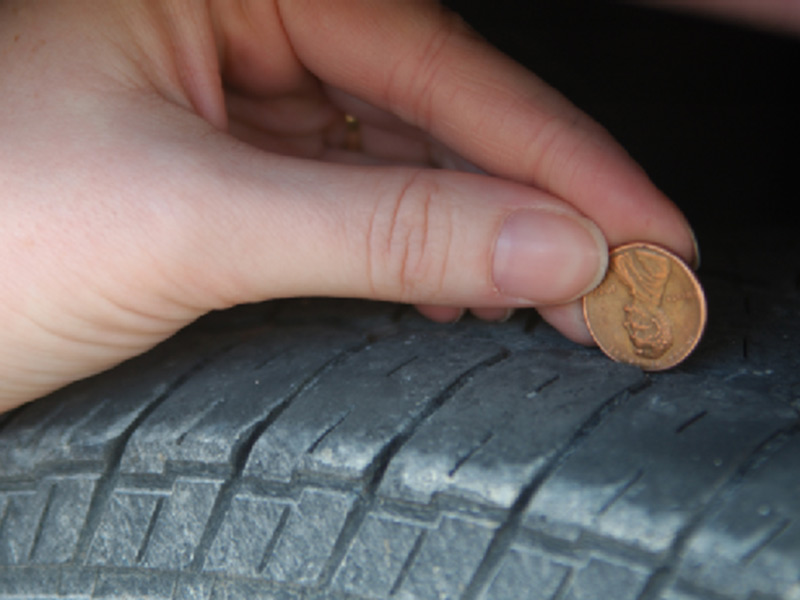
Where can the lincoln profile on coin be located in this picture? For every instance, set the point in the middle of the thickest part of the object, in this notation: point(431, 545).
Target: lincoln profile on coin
point(645, 275)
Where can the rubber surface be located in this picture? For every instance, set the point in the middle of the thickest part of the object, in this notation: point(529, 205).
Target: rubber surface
point(348, 450)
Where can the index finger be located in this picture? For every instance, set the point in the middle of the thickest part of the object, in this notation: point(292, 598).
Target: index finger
point(422, 63)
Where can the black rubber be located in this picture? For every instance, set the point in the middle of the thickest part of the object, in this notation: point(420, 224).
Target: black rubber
point(349, 450)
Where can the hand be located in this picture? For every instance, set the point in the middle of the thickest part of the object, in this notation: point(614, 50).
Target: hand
point(162, 159)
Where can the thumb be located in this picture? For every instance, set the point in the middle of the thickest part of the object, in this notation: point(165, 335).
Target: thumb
point(292, 227)
point(126, 256)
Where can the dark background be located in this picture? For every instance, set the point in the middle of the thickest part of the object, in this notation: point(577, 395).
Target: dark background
point(709, 108)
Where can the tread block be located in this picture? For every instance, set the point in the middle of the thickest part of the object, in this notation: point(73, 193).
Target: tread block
point(28, 583)
point(600, 579)
point(178, 527)
point(495, 434)
point(23, 513)
point(244, 536)
point(447, 560)
point(377, 555)
point(751, 545)
point(121, 536)
point(238, 388)
point(63, 519)
point(621, 484)
point(82, 422)
point(522, 569)
point(376, 393)
point(310, 533)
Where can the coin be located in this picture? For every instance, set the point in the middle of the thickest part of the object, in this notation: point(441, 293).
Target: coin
point(649, 311)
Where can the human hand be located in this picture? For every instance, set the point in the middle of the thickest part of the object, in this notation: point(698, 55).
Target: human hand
point(163, 159)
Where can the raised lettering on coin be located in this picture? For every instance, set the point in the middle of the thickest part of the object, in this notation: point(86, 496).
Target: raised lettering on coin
point(649, 311)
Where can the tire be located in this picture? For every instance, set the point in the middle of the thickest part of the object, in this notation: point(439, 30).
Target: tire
point(322, 449)
point(350, 450)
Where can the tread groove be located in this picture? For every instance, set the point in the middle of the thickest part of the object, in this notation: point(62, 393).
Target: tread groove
point(691, 421)
point(148, 534)
point(382, 459)
point(621, 492)
point(48, 418)
point(315, 444)
point(408, 563)
point(352, 524)
point(377, 468)
point(771, 536)
point(241, 454)
point(48, 503)
point(665, 574)
point(83, 421)
point(273, 540)
point(564, 585)
point(4, 514)
point(263, 363)
point(638, 388)
point(402, 365)
point(202, 414)
point(547, 383)
point(507, 530)
point(462, 460)
point(108, 479)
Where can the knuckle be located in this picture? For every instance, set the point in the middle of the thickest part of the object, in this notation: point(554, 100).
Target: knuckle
point(558, 148)
point(545, 148)
point(411, 82)
point(409, 241)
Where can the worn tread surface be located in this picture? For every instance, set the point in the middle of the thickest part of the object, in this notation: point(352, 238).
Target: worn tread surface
point(331, 449)
point(334, 450)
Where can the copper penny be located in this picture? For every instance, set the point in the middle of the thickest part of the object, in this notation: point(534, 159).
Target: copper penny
point(649, 310)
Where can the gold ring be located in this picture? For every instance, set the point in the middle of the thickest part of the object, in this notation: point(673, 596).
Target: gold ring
point(352, 140)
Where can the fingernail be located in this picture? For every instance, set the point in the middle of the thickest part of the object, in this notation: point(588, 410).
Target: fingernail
point(493, 315)
point(544, 257)
point(696, 260)
point(507, 316)
point(459, 316)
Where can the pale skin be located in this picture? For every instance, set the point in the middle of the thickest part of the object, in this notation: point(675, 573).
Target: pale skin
point(163, 159)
